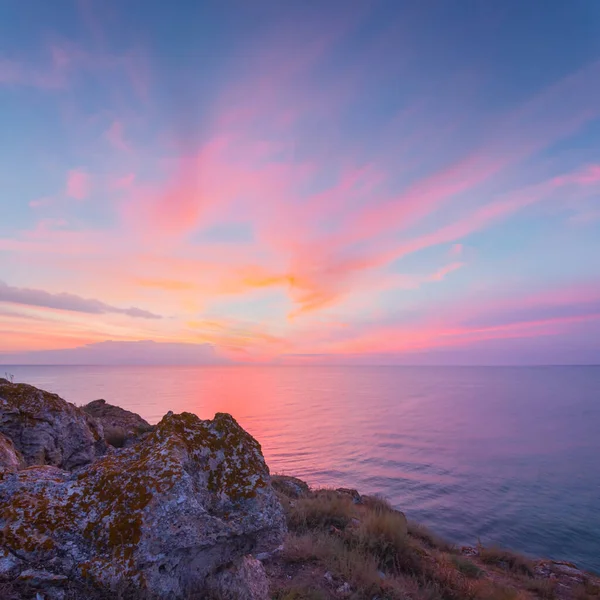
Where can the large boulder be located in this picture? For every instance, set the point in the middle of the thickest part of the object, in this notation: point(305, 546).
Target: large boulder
point(162, 515)
point(121, 427)
point(46, 429)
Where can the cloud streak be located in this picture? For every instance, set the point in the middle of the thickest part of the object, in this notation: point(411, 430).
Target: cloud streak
point(65, 301)
point(78, 184)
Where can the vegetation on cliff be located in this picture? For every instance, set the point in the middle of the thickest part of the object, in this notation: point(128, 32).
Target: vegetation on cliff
point(342, 545)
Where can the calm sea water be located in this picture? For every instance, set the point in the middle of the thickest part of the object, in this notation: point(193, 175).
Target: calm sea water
point(505, 455)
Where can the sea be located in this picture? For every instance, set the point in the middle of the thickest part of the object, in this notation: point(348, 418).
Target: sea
point(499, 455)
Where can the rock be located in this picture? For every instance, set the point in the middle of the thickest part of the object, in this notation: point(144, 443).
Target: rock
point(268, 555)
point(161, 515)
point(121, 427)
point(10, 565)
point(52, 586)
point(469, 551)
point(292, 487)
point(354, 495)
point(344, 589)
point(10, 458)
point(328, 576)
point(46, 429)
point(566, 573)
point(245, 580)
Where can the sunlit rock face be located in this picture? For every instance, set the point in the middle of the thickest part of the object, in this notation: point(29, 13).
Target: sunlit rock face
point(10, 458)
point(162, 515)
point(46, 429)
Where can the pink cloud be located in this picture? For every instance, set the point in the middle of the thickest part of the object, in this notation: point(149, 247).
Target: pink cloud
point(585, 217)
point(124, 182)
point(114, 134)
point(456, 250)
point(41, 202)
point(391, 340)
point(78, 184)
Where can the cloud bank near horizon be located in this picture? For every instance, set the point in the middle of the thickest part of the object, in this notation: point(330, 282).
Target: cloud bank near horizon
point(142, 352)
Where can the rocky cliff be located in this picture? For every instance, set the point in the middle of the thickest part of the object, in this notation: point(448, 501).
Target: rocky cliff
point(172, 514)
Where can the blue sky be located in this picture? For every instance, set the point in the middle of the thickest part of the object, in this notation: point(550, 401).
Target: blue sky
point(366, 182)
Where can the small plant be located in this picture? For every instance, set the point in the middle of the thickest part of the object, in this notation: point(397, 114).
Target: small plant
point(9, 376)
point(467, 567)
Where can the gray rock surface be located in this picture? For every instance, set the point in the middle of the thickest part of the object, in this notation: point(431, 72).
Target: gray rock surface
point(46, 429)
point(292, 487)
point(121, 427)
point(244, 580)
point(161, 515)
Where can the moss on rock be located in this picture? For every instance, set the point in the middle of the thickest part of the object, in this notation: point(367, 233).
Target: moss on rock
point(188, 497)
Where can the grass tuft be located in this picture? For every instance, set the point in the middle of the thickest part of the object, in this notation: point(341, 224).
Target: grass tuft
point(425, 535)
point(467, 567)
point(543, 588)
point(321, 511)
point(587, 591)
point(382, 533)
point(506, 559)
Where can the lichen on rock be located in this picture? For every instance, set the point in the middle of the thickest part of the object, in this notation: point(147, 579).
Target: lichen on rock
point(190, 497)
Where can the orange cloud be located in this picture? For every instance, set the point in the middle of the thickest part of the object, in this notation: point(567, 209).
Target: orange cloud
point(166, 284)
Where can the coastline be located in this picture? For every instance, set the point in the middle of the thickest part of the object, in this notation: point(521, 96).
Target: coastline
point(278, 538)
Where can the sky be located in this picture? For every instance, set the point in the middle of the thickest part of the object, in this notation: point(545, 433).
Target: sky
point(300, 182)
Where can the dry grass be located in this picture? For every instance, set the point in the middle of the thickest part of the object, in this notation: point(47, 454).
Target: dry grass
point(379, 554)
point(587, 591)
point(382, 533)
point(351, 564)
point(467, 567)
point(543, 588)
point(492, 591)
point(432, 540)
point(506, 559)
point(321, 511)
point(376, 503)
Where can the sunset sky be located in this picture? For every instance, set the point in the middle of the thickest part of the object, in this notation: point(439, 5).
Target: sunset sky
point(378, 182)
